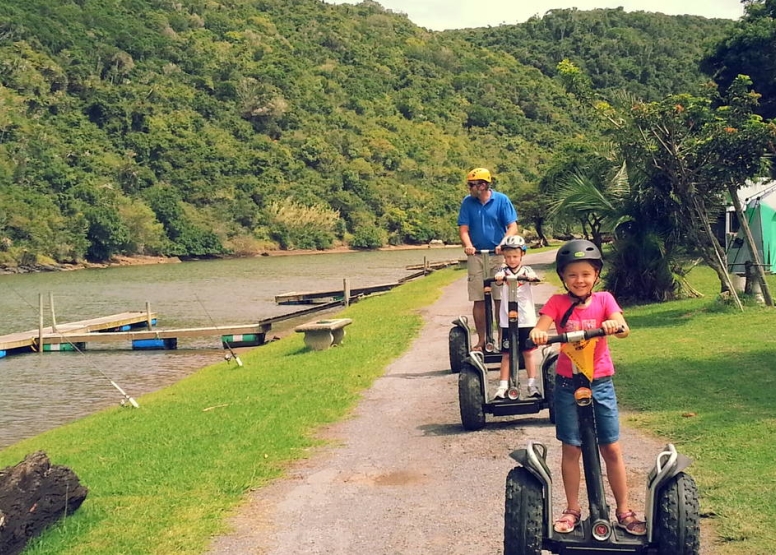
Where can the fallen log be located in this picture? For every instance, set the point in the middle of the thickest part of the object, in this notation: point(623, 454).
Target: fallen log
point(34, 495)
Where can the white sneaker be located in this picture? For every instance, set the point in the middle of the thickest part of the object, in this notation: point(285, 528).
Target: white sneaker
point(501, 392)
point(533, 391)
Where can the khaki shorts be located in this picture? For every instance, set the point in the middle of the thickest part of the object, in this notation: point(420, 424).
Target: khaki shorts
point(475, 266)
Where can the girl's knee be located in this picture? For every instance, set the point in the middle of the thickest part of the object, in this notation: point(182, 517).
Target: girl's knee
point(611, 452)
point(571, 452)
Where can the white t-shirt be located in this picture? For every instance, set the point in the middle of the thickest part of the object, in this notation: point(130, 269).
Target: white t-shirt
point(526, 316)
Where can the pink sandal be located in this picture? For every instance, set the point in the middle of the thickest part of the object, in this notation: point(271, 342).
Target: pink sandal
point(568, 521)
point(628, 522)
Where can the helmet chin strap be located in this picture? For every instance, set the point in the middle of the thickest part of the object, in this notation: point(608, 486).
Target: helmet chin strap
point(576, 301)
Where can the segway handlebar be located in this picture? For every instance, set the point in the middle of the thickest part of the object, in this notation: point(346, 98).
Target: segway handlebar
point(491, 281)
point(573, 336)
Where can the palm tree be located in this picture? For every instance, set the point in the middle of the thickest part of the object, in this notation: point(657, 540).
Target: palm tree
point(643, 261)
point(598, 201)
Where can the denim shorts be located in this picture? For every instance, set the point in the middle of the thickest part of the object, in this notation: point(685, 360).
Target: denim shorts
point(607, 420)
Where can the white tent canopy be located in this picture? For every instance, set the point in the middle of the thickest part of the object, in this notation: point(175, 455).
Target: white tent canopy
point(759, 202)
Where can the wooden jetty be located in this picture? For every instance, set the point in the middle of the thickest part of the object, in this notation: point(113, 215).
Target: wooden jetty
point(436, 265)
point(28, 340)
point(352, 294)
point(127, 327)
point(316, 297)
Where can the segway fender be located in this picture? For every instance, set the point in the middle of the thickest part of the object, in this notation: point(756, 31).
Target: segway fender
point(682, 462)
point(477, 360)
point(549, 358)
point(668, 464)
point(521, 456)
point(534, 460)
point(462, 322)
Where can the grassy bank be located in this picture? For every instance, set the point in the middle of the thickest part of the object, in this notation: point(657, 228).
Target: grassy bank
point(162, 478)
point(704, 377)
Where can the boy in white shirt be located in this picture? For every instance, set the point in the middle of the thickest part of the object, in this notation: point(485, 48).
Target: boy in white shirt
point(513, 248)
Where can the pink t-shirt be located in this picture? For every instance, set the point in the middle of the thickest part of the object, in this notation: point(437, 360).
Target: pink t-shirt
point(602, 306)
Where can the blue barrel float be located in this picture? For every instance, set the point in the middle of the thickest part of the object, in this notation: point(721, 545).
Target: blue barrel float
point(170, 343)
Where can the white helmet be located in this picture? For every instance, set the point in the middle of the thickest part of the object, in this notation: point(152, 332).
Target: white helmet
point(513, 242)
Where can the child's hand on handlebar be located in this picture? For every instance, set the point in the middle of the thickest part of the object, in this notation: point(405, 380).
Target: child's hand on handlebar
point(499, 277)
point(539, 337)
point(613, 326)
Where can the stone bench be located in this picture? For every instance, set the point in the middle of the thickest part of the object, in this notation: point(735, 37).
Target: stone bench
point(322, 334)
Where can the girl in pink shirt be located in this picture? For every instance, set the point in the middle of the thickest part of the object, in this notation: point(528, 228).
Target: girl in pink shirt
point(579, 265)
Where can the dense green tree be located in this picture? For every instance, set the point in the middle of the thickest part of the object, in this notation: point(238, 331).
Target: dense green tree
point(748, 49)
point(694, 154)
point(649, 54)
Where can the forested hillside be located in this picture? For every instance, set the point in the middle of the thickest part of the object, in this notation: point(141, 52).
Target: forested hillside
point(650, 55)
point(199, 128)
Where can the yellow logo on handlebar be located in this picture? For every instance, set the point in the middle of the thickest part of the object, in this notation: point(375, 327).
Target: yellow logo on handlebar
point(581, 354)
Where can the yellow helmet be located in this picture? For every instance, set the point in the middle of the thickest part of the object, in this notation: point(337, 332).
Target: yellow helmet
point(479, 174)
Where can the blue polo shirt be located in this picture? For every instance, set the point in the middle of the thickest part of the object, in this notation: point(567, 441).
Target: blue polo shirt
point(487, 222)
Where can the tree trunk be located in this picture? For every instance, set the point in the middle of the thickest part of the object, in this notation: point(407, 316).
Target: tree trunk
point(758, 266)
point(712, 251)
point(539, 225)
point(33, 495)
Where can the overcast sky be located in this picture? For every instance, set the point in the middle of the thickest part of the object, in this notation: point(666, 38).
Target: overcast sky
point(458, 14)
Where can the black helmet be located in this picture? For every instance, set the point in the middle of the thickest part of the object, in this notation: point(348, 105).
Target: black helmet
point(576, 250)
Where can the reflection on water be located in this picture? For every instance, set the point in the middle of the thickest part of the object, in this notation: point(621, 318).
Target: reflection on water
point(39, 392)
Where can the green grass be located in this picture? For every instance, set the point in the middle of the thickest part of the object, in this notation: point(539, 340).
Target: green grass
point(702, 375)
point(163, 478)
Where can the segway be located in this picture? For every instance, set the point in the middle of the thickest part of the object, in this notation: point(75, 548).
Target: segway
point(460, 337)
point(474, 396)
point(672, 511)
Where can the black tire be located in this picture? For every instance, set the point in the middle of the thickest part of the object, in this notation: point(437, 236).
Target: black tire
point(548, 381)
point(523, 514)
point(677, 517)
point(457, 344)
point(470, 399)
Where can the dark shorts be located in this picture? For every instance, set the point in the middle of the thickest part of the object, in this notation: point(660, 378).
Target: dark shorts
point(522, 334)
point(607, 418)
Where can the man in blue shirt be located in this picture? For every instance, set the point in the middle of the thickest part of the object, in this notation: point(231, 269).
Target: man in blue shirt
point(485, 218)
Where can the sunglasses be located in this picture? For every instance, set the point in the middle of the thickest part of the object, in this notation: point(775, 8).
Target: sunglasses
point(474, 184)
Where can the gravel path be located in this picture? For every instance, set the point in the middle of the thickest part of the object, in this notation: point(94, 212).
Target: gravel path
point(402, 476)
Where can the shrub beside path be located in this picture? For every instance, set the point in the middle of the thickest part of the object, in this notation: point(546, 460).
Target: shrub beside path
point(402, 476)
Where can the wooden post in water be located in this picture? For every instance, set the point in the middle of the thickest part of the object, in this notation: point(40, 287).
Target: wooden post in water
point(149, 323)
point(425, 265)
point(40, 323)
point(53, 314)
point(346, 292)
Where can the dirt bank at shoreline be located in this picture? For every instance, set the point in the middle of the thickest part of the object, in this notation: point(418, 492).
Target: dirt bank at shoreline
point(6, 269)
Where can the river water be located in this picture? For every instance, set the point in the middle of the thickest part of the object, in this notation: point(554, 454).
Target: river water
point(42, 391)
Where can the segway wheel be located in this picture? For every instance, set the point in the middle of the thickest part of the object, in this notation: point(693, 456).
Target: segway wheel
point(470, 399)
point(457, 344)
point(523, 514)
point(677, 518)
point(548, 381)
